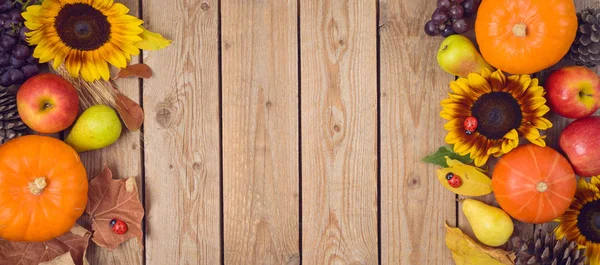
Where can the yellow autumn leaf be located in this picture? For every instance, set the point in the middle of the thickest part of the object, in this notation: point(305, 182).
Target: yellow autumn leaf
point(474, 182)
point(465, 251)
point(152, 41)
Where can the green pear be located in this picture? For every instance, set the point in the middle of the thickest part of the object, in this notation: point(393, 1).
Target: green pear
point(458, 56)
point(491, 225)
point(97, 127)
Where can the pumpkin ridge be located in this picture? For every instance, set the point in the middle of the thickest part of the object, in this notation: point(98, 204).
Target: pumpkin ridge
point(526, 203)
point(555, 213)
point(560, 196)
point(519, 173)
point(540, 207)
point(561, 179)
point(498, 195)
point(535, 162)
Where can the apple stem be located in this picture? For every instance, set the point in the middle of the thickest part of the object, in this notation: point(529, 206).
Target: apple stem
point(542, 186)
point(520, 30)
point(37, 186)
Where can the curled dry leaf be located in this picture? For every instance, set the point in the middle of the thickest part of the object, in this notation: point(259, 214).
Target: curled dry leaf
point(136, 70)
point(114, 198)
point(73, 244)
point(64, 259)
point(131, 113)
point(465, 251)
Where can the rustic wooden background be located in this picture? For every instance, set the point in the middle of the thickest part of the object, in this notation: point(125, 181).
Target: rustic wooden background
point(289, 132)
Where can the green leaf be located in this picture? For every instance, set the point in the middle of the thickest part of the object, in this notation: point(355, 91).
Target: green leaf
point(439, 157)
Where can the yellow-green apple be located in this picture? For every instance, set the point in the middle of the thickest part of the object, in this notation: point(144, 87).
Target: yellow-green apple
point(47, 103)
point(581, 143)
point(573, 92)
point(458, 56)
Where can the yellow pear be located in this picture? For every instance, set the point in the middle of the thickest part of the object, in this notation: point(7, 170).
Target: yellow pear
point(458, 56)
point(97, 127)
point(492, 226)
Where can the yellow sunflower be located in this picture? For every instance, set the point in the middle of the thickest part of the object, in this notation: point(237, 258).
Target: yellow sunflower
point(581, 222)
point(488, 112)
point(86, 34)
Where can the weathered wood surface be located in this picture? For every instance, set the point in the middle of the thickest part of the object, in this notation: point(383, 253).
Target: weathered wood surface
point(260, 132)
point(289, 132)
point(339, 131)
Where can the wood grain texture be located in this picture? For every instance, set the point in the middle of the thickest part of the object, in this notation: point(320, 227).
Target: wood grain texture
point(339, 131)
point(124, 158)
point(414, 206)
point(181, 133)
point(260, 132)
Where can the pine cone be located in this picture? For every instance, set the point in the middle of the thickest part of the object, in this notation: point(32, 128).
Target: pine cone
point(546, 250)
point(585, 50)
point(11, 125)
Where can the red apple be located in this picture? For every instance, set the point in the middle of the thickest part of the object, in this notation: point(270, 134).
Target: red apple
point(580, 140)
point(47, 103)
point(573, 92)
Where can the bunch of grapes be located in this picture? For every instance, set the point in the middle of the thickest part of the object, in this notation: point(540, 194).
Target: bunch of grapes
point(450, 17)
point(17, 63)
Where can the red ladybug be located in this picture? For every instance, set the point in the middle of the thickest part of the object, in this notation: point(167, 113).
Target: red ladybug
point(470, 125)
point(118, 226)
point(454, 181)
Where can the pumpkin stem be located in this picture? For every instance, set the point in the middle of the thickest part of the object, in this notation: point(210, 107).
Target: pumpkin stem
point(542, 186)
point(37, 186)
point(520, 30)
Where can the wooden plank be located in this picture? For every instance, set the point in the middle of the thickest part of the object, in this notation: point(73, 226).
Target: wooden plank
point(181, 135)
point(339, 131)
point(414, 206)
point(260, 132)
point(124, 158)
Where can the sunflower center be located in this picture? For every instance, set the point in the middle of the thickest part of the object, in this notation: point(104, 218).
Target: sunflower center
point(588, 221)
point(497, 113)
point(82, 27)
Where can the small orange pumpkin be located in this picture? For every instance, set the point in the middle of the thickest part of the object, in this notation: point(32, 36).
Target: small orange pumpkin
point(43, 188)
point(534, 184)
point(524, 37)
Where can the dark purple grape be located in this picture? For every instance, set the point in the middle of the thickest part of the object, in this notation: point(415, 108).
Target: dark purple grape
point(448, 31)
point(31, 59)
point(7, 42)
point(7, 5)
point(16, 63)
point(4, 59)
point(16, 76)
point(431, 28)
point(439, 17)
point(15, 15)
point(5, 79)
point(20, 52)
point(470, 7)
point(22, 32)
point(460, 26)
point(457, 1)
point(443, 4)
point(441, 27)
point(30, 70)
point(456, 11)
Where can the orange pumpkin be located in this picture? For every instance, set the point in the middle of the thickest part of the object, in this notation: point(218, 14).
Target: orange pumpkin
point(524, 37)
point(534, 184)
point(43, 188)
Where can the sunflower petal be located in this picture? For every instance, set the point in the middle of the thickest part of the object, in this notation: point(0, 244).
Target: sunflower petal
point(497, 80)
point(152, 41)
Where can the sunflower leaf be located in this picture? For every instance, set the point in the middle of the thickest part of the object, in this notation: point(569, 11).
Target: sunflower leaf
point(152, 41)
point(439, 157)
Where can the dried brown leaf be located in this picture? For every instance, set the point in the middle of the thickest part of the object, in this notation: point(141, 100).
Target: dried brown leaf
point(73, 244)
point(109, 199)
point(131, 113)
point(136, 70)
point(64, 259)
point(465, 251)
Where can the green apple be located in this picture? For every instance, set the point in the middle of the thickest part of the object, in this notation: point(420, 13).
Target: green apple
point(98, 126)
point(458, 56)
